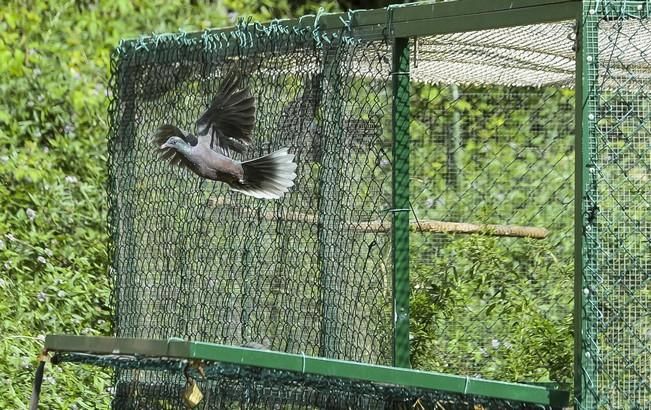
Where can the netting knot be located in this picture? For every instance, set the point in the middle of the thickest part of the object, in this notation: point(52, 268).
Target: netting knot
point(223, 36)
point(160, 38)
point(280, 27)
point(348, 22)
point(316, 34)
point(120, 49)
point(182, 37)
point(243, 35)
point(141, 44)
point(208, 41)
point(260, 27)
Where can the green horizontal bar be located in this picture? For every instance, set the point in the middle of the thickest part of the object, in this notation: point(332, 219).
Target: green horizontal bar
point(428, 18)
point(110, 345)
point(425, 17)
point(177, 348)
point(488, 20)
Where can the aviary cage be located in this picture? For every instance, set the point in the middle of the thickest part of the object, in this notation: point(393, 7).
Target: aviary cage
point(425, 134)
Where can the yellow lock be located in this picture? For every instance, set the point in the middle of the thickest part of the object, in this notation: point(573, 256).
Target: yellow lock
point(192, 394)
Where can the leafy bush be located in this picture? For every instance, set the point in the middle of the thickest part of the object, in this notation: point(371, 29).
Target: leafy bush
point(54, 60)
point(482, 305)
point(475, 313)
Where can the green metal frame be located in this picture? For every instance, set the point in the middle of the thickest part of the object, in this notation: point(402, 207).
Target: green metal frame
point(584, 369)
point(180, 349)
point(467, 15)
point(400, 189)
point(586, 315)
point(424, 18)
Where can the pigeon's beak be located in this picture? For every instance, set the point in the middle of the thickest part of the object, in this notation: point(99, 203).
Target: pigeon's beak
point(164, 146)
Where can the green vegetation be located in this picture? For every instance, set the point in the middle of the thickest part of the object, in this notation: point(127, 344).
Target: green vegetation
point(54, 58)
point(491, 306)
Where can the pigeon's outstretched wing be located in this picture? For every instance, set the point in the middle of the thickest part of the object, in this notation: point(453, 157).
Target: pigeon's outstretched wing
point(228, 123)
point(162, 134)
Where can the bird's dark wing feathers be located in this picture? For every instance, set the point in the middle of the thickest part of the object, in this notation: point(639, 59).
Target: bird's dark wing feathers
point(230, 119)
point(162, 134)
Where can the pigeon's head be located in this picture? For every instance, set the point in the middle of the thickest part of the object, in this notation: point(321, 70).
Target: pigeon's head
point(176, 143)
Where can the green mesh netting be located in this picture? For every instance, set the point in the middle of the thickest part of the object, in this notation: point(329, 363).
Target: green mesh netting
point(492, 142)
point(616, 342)
point(157, 383)
point(311, 273)
point(194, 260)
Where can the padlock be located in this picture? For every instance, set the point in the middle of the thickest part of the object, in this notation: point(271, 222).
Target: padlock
point(192, 394)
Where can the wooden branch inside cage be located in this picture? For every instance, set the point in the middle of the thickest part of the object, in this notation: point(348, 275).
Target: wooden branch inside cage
point(425, 226)
point(433, 226)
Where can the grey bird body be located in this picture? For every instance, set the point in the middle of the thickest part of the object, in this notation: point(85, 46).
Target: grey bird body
point(227, 125)
point(210, 164)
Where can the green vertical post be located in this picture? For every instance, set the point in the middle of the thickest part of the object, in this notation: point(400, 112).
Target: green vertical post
point(585, 315)
point(400, 188)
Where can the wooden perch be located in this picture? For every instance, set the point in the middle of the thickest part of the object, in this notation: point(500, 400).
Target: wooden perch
point(431, 226)
point(425, 226)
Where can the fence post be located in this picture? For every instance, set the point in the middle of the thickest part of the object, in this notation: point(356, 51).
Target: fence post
point(400, 188)
point(585, 309)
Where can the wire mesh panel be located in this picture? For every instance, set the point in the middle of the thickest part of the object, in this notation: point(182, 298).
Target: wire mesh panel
point(492, 152)
point(194, 260)
point(616, 355)
point(170, 383)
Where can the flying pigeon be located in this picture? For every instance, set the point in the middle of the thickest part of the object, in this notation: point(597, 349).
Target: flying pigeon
point(227, 125)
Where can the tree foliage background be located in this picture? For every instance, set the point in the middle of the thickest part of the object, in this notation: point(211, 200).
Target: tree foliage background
point(54, 58)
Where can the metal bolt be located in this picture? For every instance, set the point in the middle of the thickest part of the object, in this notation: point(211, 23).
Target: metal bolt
point(587, 354)
point(591, 117)
point(592, 11)
point(589, 58)
point(586, 291)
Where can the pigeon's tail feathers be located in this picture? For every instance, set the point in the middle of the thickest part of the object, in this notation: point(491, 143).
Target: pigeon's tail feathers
point(268, 177)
